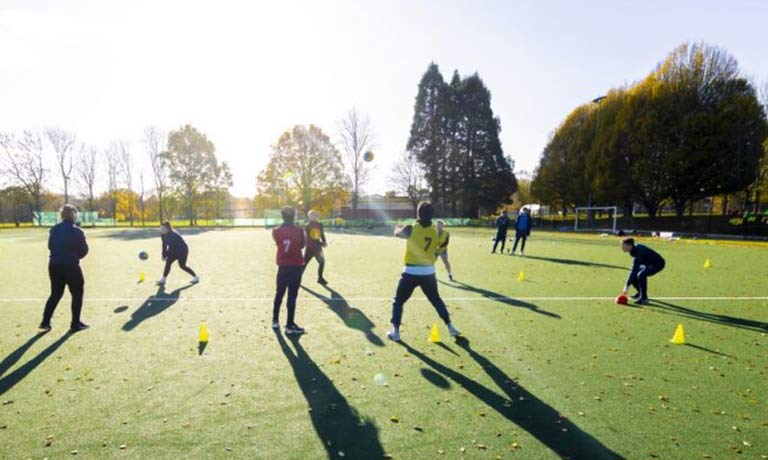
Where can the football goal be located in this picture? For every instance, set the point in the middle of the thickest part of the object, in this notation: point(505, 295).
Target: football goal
point(596, 218)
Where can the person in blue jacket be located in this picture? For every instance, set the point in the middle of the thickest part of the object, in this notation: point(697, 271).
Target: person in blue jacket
point(502, 225)
point(522, 230)
point(174, 249)
point(647, 262)
point(67, 245)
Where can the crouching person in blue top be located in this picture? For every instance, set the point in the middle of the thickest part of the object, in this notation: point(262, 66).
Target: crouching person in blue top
point(67, 245)
point(647, 262)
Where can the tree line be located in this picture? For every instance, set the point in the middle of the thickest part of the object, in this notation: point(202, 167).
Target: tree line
point(694, 128)
point(185, 175)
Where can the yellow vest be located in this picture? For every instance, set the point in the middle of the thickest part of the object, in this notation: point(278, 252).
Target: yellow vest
point(441, 239)
point(421, 246)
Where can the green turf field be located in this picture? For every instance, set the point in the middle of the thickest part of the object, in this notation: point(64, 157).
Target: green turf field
point(549, 367)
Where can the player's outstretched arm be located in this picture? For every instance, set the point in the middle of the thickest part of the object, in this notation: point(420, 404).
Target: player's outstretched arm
point(403, 231)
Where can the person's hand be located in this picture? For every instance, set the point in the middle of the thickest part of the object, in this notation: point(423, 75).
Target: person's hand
point(325, 244)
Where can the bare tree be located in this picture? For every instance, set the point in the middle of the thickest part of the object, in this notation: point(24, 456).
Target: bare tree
point(141, 196)
point(356, 139)
point(25, 163)
point(63, 143)
point(85, 173)
point(154, 141)
point(407, 178)
point(112, 160)
point(125, 159)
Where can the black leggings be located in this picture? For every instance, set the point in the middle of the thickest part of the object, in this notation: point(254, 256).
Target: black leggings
point(501, 237)
point(65, 276)
point(317, 254)
point(288, 279)
point(518, 237)
point(182, 264)
point(406, 286)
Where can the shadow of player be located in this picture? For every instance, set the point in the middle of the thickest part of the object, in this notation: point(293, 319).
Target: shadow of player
point(490, 295)
point(154, 305)
point(338, 425)
point(353, 318)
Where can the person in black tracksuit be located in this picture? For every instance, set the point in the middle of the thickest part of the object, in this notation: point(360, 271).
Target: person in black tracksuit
point(67, 245)
point(174, 249)
point(502, 225)
point(647, 262)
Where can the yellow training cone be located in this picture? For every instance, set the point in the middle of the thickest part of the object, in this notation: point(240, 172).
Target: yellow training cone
point(521, 276)
point(434, 334)
point(203, 333)
point(142, 277)
point(707, 264)
point(679, 337)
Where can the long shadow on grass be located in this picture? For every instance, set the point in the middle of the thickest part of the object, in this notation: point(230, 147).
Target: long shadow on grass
point(581, 263)
point(338, 425)
point(500, 298)
point(10, 380)
point(522, 408)
point(725, 320)
point(154, 305)
point(16, 355)
point(353, 318)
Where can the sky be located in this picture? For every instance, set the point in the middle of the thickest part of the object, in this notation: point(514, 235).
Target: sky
point(244, 72)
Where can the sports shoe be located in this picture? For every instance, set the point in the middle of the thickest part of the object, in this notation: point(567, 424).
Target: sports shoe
point(161, 281)
point(275, 325)
point(453, 331)
point(194, 280)
point(394, 335)
point(45, 327)
point(79, 326)
point(450, 277)
point(322, 281)
point(294, 329)
point(636, 296)
point(641, 302)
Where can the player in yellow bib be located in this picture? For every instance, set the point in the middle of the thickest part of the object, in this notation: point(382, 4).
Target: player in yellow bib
point(420, 249)
point(442, 246)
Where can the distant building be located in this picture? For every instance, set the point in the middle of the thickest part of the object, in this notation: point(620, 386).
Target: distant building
point(380, 207)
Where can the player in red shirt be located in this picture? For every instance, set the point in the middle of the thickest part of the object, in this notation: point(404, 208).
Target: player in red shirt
point(289, 239)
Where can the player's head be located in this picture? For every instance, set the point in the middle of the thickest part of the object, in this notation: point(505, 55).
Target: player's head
point(504, 212)
point(424, 213)
point(440, 225)
point(69, 213)
point(166, 227)
point(289, 214)
point(312, 216)
point(627, 244)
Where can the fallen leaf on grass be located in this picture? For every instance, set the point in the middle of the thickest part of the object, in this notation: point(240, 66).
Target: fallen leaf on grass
point(394, 419)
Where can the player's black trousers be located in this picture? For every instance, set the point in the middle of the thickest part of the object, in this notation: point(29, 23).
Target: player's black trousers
point(520, 236)
point(640, 282)
point(63, 276)
point(317, 254)
point(288, 279)
point(182, 258)
point(501, 237)
point(406, 286)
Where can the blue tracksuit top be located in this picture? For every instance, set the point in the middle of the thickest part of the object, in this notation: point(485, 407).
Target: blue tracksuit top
point(174, 245)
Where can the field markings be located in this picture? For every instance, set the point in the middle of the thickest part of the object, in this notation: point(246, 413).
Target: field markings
point(374, 299)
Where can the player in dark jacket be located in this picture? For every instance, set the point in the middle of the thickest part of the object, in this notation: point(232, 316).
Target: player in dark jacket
point(67, 245)
point(174, 249)
point(289, 239)
point(522, 230)
point(647, 262)
point(315, 243)
point(502, 225)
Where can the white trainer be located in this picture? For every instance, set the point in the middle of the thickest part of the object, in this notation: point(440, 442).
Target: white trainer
point(394, 335)
point(194, 280)
point(161, 281)
point(453, 331)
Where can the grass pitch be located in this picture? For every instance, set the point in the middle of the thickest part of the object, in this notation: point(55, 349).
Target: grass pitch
point(548, 367)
